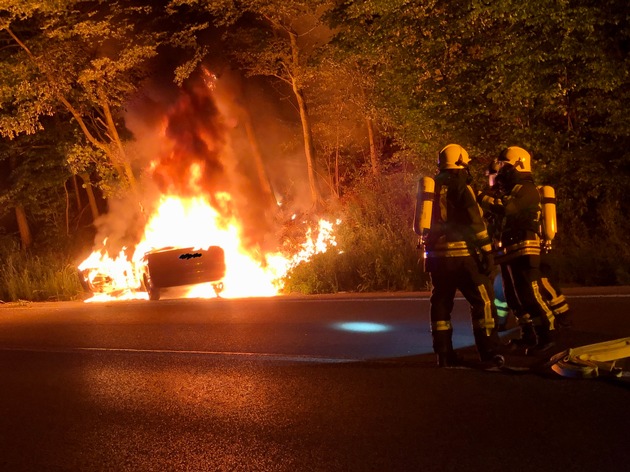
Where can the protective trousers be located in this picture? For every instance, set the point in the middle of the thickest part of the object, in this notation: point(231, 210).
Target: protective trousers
point(554, 296)
point(449, 274)
point(524, 274)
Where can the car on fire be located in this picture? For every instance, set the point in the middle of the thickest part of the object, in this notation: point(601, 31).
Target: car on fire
point(173, 267)
point(164, 268)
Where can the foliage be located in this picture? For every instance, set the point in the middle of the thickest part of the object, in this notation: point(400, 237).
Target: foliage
point(35, 174)
point(44, 277)
point(85, 59)
point(339, 125)
point(376, 249)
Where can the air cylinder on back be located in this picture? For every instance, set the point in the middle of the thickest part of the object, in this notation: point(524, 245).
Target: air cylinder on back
point(548, 205)
point(424, 206)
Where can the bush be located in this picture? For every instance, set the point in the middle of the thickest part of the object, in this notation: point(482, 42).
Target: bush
point(37, 277)
point(376, 246)
point(588, 262)
point(595, 254)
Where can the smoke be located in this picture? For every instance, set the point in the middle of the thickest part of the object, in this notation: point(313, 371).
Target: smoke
point(196, 139)
point(207, 137)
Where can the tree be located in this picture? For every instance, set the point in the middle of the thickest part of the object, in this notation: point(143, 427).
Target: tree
point(85, 58)
point(33, 188)
point(345, 131)
point(276, 39)
point(549, 76)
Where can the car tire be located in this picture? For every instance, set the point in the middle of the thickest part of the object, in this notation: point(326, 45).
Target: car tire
point(154, 292)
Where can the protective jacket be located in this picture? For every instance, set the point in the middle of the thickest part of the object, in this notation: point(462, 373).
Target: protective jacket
point(457, 227)
point(519, 213)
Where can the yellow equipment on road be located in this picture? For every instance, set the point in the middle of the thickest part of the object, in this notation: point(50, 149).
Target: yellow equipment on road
point(592, 360)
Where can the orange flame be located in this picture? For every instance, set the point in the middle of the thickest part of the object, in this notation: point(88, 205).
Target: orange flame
point(196, 211)
point(193, 222)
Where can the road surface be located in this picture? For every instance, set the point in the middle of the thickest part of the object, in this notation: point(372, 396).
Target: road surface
point(337, 383)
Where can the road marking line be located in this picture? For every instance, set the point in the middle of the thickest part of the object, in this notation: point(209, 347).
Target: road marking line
point(251, 355)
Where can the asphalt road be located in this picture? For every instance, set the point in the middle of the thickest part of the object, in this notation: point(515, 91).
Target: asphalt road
point(342, 383)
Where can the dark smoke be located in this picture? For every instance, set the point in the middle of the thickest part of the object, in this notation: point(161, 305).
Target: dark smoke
point(203, 124)
point(198, 137)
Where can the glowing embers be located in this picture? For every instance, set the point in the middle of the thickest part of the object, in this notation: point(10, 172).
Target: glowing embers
point(363, 327)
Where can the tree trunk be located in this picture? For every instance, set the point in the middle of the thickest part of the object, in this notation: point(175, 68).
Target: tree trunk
point(25, 230)
point(115, 137)
point(337, 189)
point(309, 149)
point(376, 167)
point(65, 187)
point(77, 195)
point(20, 215)
point(90, 194)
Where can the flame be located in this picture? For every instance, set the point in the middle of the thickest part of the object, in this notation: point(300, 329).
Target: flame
point(116, 276)
point(191, 167)
point(193, 222)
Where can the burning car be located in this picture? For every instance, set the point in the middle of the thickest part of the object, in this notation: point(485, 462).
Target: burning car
point(157, 270)
point(173, 267)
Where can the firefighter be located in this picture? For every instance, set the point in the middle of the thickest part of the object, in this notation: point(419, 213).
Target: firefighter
point(550, 286)
point(519, 209)
point(458, 257)
point(506, 300)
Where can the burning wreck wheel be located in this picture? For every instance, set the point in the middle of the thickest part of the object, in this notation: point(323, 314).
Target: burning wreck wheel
point(152, 290)
point(218, 288)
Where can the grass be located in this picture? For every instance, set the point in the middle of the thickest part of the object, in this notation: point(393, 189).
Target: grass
point(47, 277)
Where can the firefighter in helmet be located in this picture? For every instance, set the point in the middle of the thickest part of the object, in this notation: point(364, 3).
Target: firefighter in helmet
point(505, 297)
point(550, 288)
point(519, 209)
point(458, 257)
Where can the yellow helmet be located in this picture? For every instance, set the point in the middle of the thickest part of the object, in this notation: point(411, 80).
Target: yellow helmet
point(453, 156)
point(518, 157)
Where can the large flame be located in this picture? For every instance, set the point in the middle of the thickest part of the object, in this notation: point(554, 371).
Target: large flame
point(193, 166)
point(193, 222)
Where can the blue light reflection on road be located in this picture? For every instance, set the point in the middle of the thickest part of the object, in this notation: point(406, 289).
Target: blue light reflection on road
point(395, 339)
point(363, 327)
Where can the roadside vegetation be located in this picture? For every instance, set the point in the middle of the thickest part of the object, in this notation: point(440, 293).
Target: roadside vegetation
point(37, 277)
point(365, 93)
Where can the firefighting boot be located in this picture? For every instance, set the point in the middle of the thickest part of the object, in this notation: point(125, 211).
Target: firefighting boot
point(448, 359)
point(528, 333)
point(546, 341)
point(492, 360)
point(489, 347)
point(443, 348)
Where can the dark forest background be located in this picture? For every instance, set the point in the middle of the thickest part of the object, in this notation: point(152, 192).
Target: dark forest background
point(333, 109)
